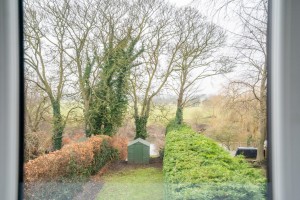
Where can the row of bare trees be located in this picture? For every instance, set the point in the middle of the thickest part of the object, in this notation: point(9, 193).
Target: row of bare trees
point(108, 55)
point(182, 50)
point(251, 58)
point(100, 53)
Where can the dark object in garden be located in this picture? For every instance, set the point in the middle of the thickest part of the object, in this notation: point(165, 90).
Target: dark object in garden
point(248, 152)
point(139, 151)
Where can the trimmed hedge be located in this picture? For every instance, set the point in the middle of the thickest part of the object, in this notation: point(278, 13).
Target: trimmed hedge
point(62, 173)
point(196, 167)
point(61, 163)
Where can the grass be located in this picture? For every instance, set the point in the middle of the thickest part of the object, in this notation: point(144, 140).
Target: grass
point(131, 184)
point(198, 113)
point(58, 190)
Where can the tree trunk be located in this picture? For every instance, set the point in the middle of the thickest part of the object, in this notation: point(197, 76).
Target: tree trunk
point(141, 119)
point(141, 127)
point(179, 110)
point(108, 129)
point(58, 125)
point(263, 132)
point(86, 112)
point(85, 89)
point(262, 121)
point(262, 117)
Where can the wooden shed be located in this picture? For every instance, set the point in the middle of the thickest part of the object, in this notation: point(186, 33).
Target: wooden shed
point(139, 151)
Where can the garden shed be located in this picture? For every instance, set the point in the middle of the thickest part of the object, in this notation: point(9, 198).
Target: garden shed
point(139, 151)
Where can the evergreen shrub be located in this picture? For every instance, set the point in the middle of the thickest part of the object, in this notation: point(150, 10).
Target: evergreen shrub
point(196, 167)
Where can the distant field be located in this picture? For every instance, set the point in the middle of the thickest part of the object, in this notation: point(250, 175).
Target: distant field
point(191, 114)
point(66, 106)
point(158, 115)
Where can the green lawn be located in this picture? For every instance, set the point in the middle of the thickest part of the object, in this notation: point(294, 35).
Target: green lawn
point(131, 184)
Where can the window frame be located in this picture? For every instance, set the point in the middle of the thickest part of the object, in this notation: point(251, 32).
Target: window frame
point(12, 99)
point(283, 113)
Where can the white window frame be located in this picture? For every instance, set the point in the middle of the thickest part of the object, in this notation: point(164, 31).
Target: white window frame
point(284, 98)
point(284, 112)
point(9, 98)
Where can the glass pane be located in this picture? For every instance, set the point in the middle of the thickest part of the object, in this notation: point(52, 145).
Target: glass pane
point(149, 99)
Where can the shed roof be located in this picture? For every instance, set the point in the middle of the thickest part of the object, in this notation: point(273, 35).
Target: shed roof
point(139, 140)
point(247, 148)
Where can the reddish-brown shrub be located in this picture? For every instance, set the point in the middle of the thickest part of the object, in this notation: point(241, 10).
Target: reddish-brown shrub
point(55, 164)
point(73, 138)
point(66, 140)
point(120, 143)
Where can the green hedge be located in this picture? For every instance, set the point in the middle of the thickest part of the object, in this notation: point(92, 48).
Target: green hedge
point(196, 167)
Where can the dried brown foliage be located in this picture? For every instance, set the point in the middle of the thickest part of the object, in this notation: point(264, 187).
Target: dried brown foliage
point(120, 143)
point(37, 144)
point(56, 164)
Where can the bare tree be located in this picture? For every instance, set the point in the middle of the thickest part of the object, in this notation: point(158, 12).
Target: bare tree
point(252, 51)
point(160, 49)
point(45, 34)
point(36, 108)
point(198, 57)
point(80, 24)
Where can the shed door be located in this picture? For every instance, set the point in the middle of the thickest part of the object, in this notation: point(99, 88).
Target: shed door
point(145, 154)
point(139, 153)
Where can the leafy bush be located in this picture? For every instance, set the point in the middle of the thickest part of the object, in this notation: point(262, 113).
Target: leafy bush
point(195, 167)
point(172, 125)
